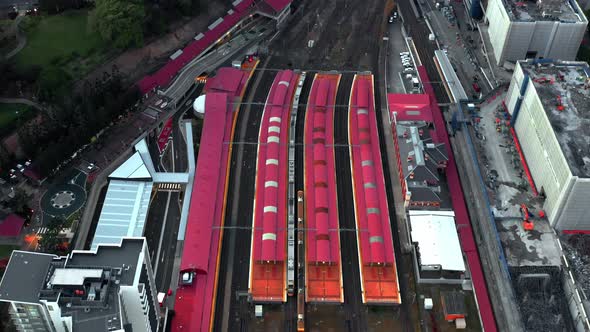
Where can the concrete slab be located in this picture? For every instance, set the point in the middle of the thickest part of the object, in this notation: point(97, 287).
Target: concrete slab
point(529, 248)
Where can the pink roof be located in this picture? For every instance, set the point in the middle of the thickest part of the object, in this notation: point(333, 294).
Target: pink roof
point(11, 225)
point(461, 216)
point(323, 243)
point(273, 222)
point(410, 107)
point(201, 246)
point(165, 74)
point(227, 80)
point(278, 5)
point(371, 201)
point(207, 175)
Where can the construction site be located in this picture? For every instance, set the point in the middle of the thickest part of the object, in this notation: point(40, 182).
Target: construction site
point(540, 266)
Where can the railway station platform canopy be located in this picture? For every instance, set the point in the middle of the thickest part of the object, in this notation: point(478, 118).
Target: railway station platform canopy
point(193, 307)
point(409, 107)
point(127, 199)
point(227, 80)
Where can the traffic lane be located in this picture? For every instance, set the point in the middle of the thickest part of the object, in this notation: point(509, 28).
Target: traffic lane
point(95, 216)
point(154, 223)
point(180, 153)
point(169, 242)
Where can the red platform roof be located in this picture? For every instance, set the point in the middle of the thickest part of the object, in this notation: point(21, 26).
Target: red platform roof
point(466, 238)
point(207, 175)
point(320, 178)
point(271, 177)
point(323, 271)
point(228, 80)
point(201, 244)
point(267, 272)
point(11, 225)
point(410, 107)
point(377, 257)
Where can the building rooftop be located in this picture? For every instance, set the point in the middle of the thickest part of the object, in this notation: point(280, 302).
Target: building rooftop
point(549, 10)
point(420, 160)
point(124, 256)
point(437, 238)
point(124, 211)
point(85, 284)
point(566, 84)
point(529, 248)
point(63, 276)
point(25, 275)
point(11, 225)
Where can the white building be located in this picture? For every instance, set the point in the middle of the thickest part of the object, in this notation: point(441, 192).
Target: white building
point(550, 29)
point(550, 108)
point(436, 247)
point(109, 289)
point(127, 201)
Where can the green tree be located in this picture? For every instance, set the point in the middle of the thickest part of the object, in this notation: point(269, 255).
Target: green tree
point(50, 242)
point(19, 204)
point(53, 83)
point(119, 22)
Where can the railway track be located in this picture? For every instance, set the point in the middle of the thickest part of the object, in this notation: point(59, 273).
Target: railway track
point(233, 271)
point(355, 311)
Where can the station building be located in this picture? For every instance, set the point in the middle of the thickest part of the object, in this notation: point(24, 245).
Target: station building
point(436, 247)
point(535, 30)
point(111, 288)
point(549, 104)
point(422, 159)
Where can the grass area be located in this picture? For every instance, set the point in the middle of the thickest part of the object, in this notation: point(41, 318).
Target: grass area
point(6, 250)
point(10, 114)
point(64, 40)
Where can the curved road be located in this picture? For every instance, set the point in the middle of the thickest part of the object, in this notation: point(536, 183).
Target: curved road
point(22, 101)
point(20, 36)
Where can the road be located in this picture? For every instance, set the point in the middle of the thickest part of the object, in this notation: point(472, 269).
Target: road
point(23, 101)
point(396, 45)
point(20, 36)
point(168, 204)
point(209, 62)
point(417, 29)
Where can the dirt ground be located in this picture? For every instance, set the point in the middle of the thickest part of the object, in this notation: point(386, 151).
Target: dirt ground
point(136, 63)
point(577, 249)
point(343, 34)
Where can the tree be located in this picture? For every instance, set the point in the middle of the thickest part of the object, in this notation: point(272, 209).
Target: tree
point(20, 203)
point(53, 83)
point(56, 6)
point(50, 242)
point(119, 22)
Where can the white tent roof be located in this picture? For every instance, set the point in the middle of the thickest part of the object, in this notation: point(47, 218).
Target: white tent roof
point(124, 212)
point(437, 238)
point(199, 104)
point(133, 168)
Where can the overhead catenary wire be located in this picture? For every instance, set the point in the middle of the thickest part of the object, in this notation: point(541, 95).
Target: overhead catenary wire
point(304, 229)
